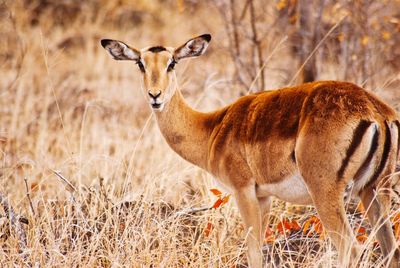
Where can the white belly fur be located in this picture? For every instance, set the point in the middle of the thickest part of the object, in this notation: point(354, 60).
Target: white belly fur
point(291, 189)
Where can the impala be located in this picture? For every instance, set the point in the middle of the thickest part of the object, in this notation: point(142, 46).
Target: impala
point(305, 144)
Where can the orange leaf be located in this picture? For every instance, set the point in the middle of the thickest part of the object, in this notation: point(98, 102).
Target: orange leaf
point(268, 232)
point(362, 238)
point(319, 229)
point(361, 231)
point(284, 226)
point(397, 231)
point(34, 186)
point(225, 199)
point(269, 236)
point(218, 203)
point(396, 218)
point(360, 208)
point(208, 229)
point(295, 225)
point(314, 219)
point(313, 225)
point(216, 192)
point(396, 225)
point(306, 227)
point(287, 224)
point(281, 228)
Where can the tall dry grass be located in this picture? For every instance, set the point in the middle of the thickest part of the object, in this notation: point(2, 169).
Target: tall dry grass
point(66, 107)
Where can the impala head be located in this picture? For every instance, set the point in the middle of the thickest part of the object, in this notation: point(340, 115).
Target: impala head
point(156, 65)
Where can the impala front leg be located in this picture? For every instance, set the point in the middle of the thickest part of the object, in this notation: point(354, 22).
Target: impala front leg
point(265, 207)
point(251, 214)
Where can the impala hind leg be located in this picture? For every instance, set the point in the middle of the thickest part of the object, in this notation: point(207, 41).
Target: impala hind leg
point(378, 207)
point(330, 207)
point(251, 214)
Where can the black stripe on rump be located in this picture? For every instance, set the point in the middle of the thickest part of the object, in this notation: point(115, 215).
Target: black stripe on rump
point(398, 137)
point(370, 155)
point(385, 156)
point(358, 134)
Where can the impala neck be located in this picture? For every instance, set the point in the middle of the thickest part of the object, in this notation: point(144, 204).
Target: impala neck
point(185, 129)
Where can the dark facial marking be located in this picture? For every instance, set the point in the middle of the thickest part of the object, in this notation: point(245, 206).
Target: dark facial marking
point(141, 67)
point(171, 66)
point(157, 49)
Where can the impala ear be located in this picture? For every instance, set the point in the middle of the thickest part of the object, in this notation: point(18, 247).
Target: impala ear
point(193, 48)
point(120, 50)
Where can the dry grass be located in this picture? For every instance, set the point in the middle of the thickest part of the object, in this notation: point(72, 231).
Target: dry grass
point(65, 106)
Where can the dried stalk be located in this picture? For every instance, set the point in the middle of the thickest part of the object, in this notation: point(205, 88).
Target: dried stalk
point(29, 196)
point(231, 29)
point(71, 187)
point(193, 210)
point(247, 67)
point(15, 222)
point(235, 33)
point(307, 30)
point(20, 218)
point(103, 192)
point(315, 49)
point(257, 44)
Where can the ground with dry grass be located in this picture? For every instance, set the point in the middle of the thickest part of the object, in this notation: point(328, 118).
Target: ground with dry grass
point(83, 163)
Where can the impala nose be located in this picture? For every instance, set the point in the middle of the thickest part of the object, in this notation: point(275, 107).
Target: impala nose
point(154, 95)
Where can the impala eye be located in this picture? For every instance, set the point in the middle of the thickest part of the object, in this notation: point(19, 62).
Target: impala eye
point(171, 66)
point(141, 66)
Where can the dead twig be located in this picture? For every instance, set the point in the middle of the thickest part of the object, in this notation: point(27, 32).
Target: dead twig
point(71, 187)
point(193, 210)
point(29, 196)
point(15, 222)
point(103, 191)
point(20, 218)
point(73, 190)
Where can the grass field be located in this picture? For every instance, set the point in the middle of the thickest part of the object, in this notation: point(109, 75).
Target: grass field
point(83, 161)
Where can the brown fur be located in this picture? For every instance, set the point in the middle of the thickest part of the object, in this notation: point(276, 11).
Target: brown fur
point(303, 144)
point(252, 141)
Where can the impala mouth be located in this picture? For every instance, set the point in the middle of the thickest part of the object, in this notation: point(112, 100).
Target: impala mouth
point(156, 106)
